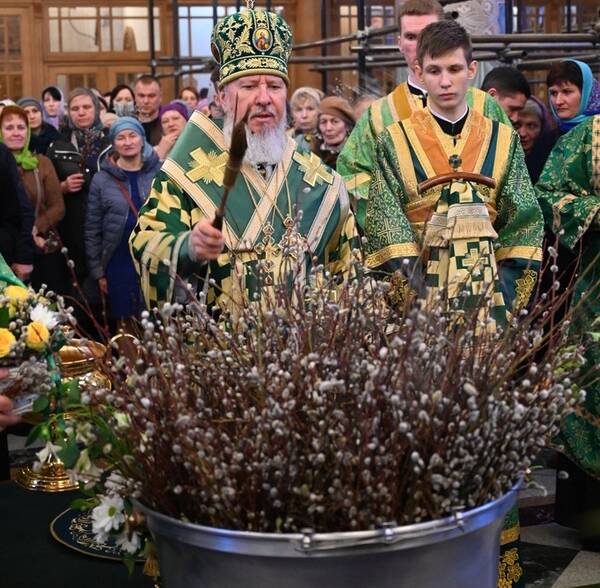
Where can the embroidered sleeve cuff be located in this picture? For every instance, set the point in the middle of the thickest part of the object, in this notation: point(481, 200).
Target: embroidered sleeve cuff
point(519, 252)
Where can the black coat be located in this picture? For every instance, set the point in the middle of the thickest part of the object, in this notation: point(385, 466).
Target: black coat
point(68, 160)
point(39, 143)
point(16, 213)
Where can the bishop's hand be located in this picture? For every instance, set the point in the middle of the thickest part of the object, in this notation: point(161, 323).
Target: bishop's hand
point(206, 242)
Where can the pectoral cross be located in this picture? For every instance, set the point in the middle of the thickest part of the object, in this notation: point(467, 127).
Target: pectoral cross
point(270, 250)
point(292, 243)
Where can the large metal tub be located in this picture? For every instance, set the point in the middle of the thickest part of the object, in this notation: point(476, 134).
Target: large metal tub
point(457, 552)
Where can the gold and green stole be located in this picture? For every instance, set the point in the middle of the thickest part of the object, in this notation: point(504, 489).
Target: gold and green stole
point(455, 221)
point(401, 103)
point(260, 213)
point(358, 158)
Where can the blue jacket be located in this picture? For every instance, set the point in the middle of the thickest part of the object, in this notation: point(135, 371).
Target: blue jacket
point(107, 210)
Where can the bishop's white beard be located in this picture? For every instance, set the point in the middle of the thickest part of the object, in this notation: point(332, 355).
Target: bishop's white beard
point(267, 146)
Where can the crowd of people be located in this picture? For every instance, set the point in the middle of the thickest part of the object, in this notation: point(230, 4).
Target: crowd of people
point(129, 185)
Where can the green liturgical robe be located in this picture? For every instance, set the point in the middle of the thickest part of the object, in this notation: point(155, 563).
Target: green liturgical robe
point(569, 194)
point(358, 158)
point(459, 236)
point(457, 227)
point(298, 216)
point(7, 277)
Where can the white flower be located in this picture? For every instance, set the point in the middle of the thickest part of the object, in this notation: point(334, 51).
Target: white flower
point(50, 450)
point(85, 433)
point(128, 543)
point(44, 315)
point(108, 515)
point(86, 467)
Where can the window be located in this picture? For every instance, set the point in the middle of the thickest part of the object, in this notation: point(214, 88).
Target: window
point(11, 82)
point(101, 29)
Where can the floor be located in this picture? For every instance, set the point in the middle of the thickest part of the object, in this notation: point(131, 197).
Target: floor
point(551, 555)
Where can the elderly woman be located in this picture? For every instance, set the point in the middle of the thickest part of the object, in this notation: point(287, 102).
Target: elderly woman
point(42, 132)
point(117, 193)
point(569, 195)
point(336, 121)
point(304, 106)
point(76, 161)
point(533, 126)
point(173, 118)
point(43, 190)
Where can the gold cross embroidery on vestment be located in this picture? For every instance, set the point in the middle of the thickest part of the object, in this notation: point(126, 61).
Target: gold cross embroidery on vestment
point(208, 167)
point(314, 169)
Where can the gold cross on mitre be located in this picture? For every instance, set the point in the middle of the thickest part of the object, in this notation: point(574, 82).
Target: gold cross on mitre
point(208, 167)
point(314, 169)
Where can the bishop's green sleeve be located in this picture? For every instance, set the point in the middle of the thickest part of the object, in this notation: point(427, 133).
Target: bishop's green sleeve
point(158, 242)
point(520, 229)
point(565, 192)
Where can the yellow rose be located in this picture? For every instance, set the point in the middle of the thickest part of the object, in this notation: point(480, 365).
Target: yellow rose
point(7, 340)
point(37, 336)
point(16, 294)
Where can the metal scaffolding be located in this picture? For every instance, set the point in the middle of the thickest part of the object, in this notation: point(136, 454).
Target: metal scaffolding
point(525, 50)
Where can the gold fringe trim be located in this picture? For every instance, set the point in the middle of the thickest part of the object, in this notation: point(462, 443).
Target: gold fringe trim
point(522, 252)
point(151, 567)
point(510, 535)
point(391, 252)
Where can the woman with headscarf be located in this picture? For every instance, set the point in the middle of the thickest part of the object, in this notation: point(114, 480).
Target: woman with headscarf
point(532, 125)
point(42, 132)
point(76, 162)
point(173, 118)
point(43, 190)
point(54, 106)
point(117, 193)
point(335, 123)
point(574, 96)
point(569, 195)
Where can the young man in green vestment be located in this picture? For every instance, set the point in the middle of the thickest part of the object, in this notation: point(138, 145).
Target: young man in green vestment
point(569, 193)
point(357, 159)
point(286, 207)
point(429, 228)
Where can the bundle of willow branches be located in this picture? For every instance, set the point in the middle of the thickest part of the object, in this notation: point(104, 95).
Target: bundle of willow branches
point(333, 413)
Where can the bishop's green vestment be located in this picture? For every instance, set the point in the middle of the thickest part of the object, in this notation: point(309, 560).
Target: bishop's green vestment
point(259, 220)
point(358, 157)
point(569, 194)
